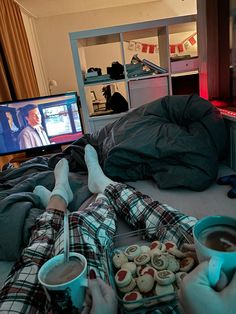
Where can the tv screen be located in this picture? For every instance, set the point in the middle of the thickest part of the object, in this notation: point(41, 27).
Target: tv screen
point(39, 125)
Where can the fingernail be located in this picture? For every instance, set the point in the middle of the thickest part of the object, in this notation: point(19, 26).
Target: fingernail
point(92, 274)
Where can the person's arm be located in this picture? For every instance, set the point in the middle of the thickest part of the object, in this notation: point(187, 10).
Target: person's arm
point(197, 296)
point(22, 292)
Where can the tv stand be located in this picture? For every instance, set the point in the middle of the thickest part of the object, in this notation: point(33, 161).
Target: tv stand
point(42, 152)
point(21, 157)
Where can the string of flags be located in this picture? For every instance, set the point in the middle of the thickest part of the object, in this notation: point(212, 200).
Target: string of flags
point(150, 48)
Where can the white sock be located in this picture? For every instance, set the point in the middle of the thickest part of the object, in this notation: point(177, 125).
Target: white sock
point(97, 181)
point(43, 193)
point(62, 186)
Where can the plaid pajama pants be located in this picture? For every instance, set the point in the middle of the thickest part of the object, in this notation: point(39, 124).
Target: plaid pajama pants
point(90, 230)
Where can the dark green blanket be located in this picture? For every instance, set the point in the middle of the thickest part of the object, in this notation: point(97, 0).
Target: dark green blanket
point(176, 140)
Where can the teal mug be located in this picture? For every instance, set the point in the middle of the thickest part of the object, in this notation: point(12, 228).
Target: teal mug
point(65, 283)
point(215, 241)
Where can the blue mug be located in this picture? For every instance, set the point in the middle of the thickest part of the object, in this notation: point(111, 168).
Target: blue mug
point(219, 259)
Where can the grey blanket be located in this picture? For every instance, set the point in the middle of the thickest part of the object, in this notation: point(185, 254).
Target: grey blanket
point(176, 140)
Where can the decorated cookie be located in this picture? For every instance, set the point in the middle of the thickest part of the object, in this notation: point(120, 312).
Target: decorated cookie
point(118, 259)
point(132, 251)
point(186, 264)
point(172, 249)
point(170, 246)
point(123, 277)
point(139, 269)
point(145, 249)
point(155, 245)
point(177, 253)
point(166, 293)
point(173, 264)
point(142, 259)
point(165, 277)
point(131, 266)
point(145, 283)
point(179, 277)
point(159, 262)
point(155, 248)
point(149, 270)
point(132, 298)
point(129, 287)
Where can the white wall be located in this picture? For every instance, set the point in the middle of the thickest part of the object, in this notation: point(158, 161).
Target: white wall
point(54, 39)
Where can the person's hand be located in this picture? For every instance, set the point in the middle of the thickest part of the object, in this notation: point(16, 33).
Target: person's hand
point(100, 298)
point(197, 296)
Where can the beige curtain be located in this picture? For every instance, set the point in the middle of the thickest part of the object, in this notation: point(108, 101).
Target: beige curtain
point(4, 89)
point(15, 48)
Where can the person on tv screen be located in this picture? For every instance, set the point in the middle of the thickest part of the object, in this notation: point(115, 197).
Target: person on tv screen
point(11, 123)
point(33, 135)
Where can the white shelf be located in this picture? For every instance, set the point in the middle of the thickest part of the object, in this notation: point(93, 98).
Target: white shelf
point(102, 82)
point(109, 31)
point(185, 65)
point(184, 73)
point(148, 77)
point(111, 44)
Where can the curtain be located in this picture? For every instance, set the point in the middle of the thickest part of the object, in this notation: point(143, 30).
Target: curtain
point(4, 88)
point(19, 79)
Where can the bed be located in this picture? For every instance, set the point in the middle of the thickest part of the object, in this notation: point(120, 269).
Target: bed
point(164, 163)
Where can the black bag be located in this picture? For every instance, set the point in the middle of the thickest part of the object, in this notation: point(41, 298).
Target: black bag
point(117, 103)
point(116, 71)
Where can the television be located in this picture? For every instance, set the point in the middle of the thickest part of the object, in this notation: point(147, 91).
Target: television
point(41, 125)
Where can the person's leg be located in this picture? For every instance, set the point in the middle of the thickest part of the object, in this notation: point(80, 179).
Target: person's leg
point(90, 229)
point(97, 181)
point(142, 212)
point(90, 232)
point(43, 193)
point(61, 195)
point(62, 187)
point(139, 210)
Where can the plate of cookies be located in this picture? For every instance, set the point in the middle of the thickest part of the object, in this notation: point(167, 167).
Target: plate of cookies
point(147, 266)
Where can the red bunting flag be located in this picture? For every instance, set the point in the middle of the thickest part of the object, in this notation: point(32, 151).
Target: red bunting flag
point(192, 40)
point(180, 47)
point(172, 48)
point(144, 47)
point(151, 48)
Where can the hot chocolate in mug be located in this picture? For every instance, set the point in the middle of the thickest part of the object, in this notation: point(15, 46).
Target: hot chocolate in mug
point(215, 240)
point(65, 283)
